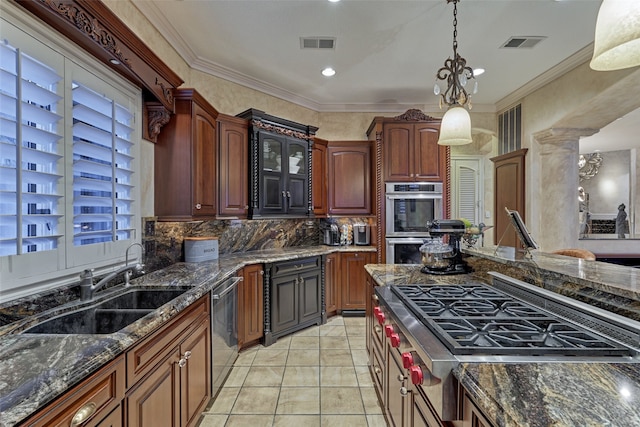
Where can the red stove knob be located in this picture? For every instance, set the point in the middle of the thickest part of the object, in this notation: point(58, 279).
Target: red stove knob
point(416, 374)
point(407, 360)
point(388, 330)
point(377, 312)
point(395, 340)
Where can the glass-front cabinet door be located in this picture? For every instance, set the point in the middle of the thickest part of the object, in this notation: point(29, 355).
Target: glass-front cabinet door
point(297, 193)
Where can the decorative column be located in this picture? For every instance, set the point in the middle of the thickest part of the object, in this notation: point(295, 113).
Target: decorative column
point(559, 182)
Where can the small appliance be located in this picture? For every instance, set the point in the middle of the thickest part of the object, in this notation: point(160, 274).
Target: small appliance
point(330, 235)
point(361, 234)
point(439, 257)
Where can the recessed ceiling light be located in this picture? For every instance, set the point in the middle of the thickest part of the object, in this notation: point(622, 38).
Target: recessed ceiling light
point(114, 61)
point(328, 72)
point(334, 1)
point(478, 71)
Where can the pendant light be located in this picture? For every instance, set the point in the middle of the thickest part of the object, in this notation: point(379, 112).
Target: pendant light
point(617, 37)
point(455, 128)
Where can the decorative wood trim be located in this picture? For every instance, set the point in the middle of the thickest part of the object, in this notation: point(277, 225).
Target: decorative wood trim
point(280, 130)
point(156, 116)
point(414, 115)
point(95, 28)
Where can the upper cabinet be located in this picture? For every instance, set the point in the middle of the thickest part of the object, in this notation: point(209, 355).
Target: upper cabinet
point(185, 161)
point(280, 166)
point(319, 177)
point(349, 177)
point(233, 167)
point(410, 147)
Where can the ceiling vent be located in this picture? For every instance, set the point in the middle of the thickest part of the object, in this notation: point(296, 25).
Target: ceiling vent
point(317, 42)
point(523, 42)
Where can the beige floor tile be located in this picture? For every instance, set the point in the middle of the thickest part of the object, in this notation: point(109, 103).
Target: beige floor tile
point(264, 376)
point(360, 357)
point(335, 357)
point(282, 343)
point(357, 342)
point(267, 357)
point(301, 376)
point(311, 331)
point(305, 342)
point(364, 376)
point(338, 376)
point(340, 400)
point(245, 358)
point(354, 321)
point(370, 401)
point(343, 421)
point(224, 401)
point(237, 376)
point(256, 400)
point(250, 420)
point(335, 320)
point(301, 357)
point(296, 421)
point(376, 421)
point(333, 331)
point(299, 400)
point(355, 331)
point(334, 342)
point(213, 420)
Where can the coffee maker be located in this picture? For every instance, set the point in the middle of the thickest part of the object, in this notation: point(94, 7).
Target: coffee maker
point(448, 260)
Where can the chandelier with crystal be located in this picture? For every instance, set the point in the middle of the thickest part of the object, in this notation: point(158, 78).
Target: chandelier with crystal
point(455, 128)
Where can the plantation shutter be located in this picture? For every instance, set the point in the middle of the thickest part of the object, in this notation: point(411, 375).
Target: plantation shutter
point(466, 188)
point(31, 128)
point(102, 168)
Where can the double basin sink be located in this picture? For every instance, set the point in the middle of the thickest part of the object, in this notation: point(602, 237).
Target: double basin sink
point(109, 316)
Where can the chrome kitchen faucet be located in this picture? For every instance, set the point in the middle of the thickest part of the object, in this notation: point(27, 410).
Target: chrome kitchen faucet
point(87, 288)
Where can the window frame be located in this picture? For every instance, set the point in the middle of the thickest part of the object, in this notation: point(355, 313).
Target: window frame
point(29, 273)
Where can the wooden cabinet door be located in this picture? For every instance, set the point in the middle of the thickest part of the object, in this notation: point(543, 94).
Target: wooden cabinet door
point(114, 419)
point(251, 305)
point(319, 177)
point(354, 293)
point(427, 153)
point(398, 152)
point(195, 374)
point(396, 403)
point(233, 167)
point(284, 302)
point(421, 413)
point(332, 283)
point(155, 401)
point(310, 295)
point(472, 416)
point(349, 175)
point(204, 163)
point(509, 190)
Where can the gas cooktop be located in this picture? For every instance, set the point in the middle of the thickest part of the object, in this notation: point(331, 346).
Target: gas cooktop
point(475, 319)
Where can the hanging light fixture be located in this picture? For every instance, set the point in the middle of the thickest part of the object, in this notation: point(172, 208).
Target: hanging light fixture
point(455, 128)
point(617, 38)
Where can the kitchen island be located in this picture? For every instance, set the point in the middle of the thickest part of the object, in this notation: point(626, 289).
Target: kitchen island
point(560, 392)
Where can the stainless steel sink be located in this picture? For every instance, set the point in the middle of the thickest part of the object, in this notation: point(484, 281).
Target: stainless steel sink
point(109, 316)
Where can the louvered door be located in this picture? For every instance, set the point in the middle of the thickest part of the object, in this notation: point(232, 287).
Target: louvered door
point(466, 188)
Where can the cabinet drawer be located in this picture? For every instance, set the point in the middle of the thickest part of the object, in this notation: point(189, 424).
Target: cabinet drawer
point(295, 266)
point(99, 394)
point(377, 371)
point(155, 348)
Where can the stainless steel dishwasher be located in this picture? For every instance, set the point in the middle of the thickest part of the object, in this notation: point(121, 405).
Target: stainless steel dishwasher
point(224, 331)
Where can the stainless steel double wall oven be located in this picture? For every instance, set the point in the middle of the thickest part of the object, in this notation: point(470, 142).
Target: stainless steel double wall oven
point(410, 206)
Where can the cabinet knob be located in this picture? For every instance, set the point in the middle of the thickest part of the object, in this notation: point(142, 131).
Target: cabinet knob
point(262, 272)
point(246, 206)
point(182, 362)
point(187, 355)
point(198, 206)
point(377, 369)
point(403, 391)
point(83, 414)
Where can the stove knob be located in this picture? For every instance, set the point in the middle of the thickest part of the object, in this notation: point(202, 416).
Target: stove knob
point(388, 330)
point(407, 360)
point(377, 312)
point(395, 340)
point(416, 374)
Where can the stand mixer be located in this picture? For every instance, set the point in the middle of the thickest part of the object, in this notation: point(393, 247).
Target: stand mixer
point(439, 258)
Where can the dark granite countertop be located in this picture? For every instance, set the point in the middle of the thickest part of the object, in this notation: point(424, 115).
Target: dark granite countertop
point(35, 369)
point(551, 393)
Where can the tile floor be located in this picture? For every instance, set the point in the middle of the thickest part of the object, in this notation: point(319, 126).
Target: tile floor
point(315, 377)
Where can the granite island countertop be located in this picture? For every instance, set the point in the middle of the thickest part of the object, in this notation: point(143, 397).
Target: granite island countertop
point(538, 394)
point(35, 369)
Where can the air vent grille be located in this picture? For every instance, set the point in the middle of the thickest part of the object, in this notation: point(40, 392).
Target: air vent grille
point(524, 42)
point(317, 42)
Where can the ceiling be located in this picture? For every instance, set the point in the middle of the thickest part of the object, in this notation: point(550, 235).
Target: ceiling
point(386, 53)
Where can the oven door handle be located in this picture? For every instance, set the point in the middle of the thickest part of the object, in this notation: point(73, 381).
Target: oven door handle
point(414, 196)
point(236, 280)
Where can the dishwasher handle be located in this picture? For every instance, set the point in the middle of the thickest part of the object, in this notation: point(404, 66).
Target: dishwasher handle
point(229, 288)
